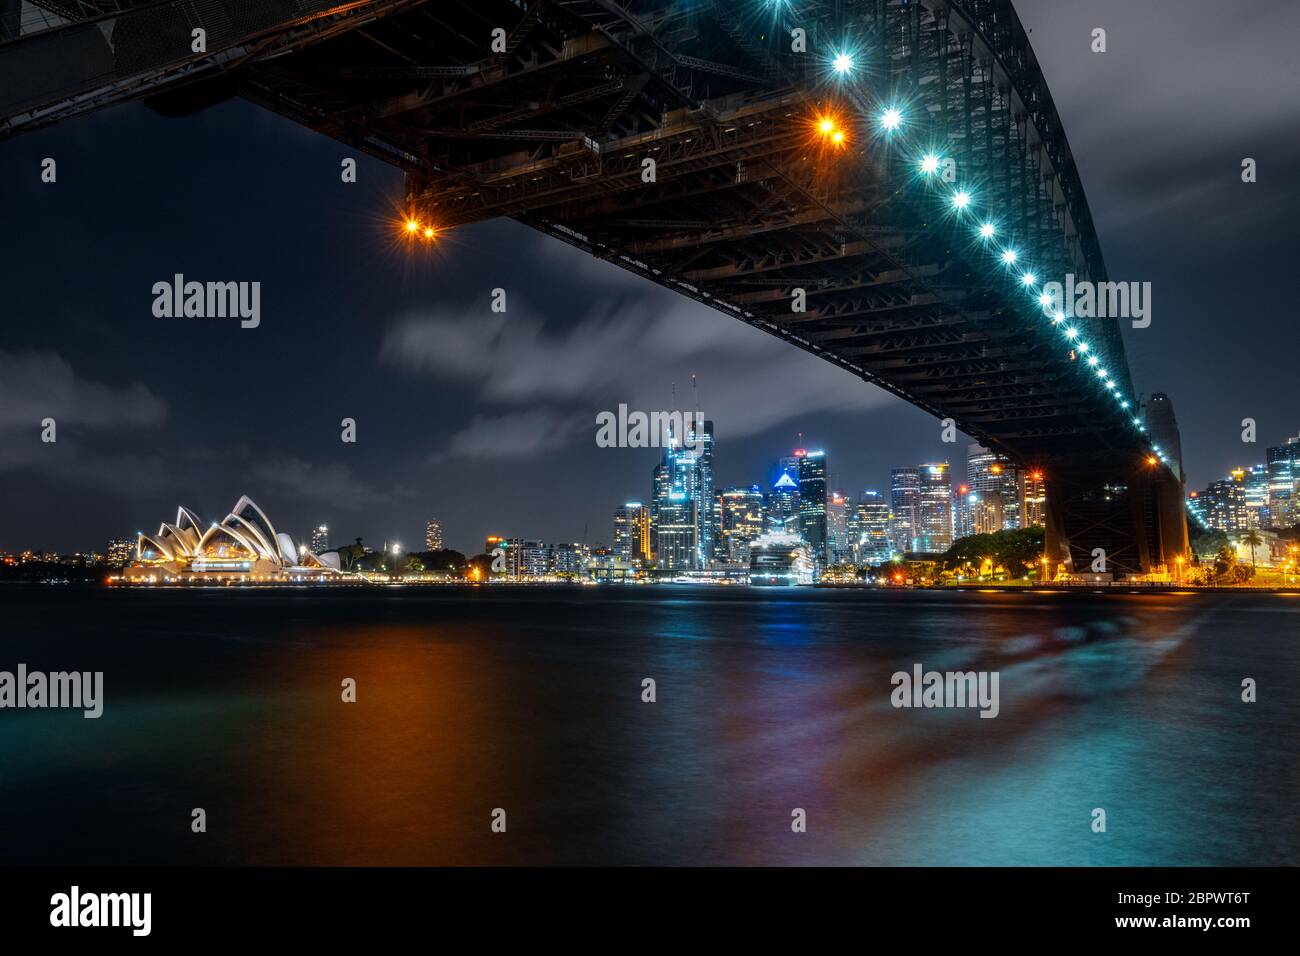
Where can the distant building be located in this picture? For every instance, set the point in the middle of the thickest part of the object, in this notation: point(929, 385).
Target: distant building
point(1283, 483)
point(740, 520)
point(433, 535)
point(872, 544)
point(121, 551)
point(1257, 509)
point(935, 509)
point(839, 510)
point(783, 500)
point(320, 539)
point(905, 500)
point(812, 503)
point(632, 532)
point(1224, 503)
point(1033, 498)
point(994, 496)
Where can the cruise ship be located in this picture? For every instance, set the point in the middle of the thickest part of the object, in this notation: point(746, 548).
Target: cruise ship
point(779, 559)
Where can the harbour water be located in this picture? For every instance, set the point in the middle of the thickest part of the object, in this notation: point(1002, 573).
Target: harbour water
point(767, 701)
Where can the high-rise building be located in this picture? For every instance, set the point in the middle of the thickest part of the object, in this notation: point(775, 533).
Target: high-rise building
point(783, 501)
point(1224, 503)
point(433, 535)
point(677, 516)
point(121, 551)
point(839, 546)
point(1284, 483)
point(993, 499)
point(1033, 498)
point(740, 520)
point(812, 503)
point(934, 524)
point(632, 532)
point(905, 501)
point(1162, 426)
point(1257, 510)
point(706, 534)
point(872, 542)
point(320, 539)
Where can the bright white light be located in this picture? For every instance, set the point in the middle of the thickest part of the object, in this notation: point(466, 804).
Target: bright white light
point(1083, 346)
point(1044, 299)
point(1092, 360)
point(1058, 318)
point(1008, 256)
point(1071, 334)
point(960, 199)
point(891, 119)
point(929, 163)
point(1029, 278)
point(843, 63)
point(987, 230)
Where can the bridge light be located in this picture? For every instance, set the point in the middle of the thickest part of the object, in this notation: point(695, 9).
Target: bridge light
point(929, 164)
point(1092, 360)
point(412, 226)
point(826, 125)
point(1044, 299)
point(1071, 334)
point(428, 232)
point(960, 199)
point(1123, 404)
point(891, 119)
point(1151, 460)
point(1058, 318)
point(843, 63)
point(1083, 346)
point(1029, 278)
point(837, 137)
point(1008, 256)
point(987, 231)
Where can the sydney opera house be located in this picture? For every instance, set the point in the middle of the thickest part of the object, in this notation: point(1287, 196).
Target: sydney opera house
point(244, 545)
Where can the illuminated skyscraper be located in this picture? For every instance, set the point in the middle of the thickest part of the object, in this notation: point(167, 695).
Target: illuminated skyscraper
point(838, 511)
point(1033, 498)
point(1283, 483)
point(993, 500)
point(707, 532)
point(934, 524)
point(320, 539)
point(905, 500)
point(740, 521)
point(1257, 510)
point(812, 503)
point(632, 532)
point(677, 519)
point(120, 552)
point(433, 535)
point(873, 544)
point(1224, 503)
point(783, 501)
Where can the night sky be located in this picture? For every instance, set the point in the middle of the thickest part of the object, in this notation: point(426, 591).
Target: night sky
point(486, 420)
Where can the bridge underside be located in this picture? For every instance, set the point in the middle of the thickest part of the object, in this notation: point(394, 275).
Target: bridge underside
point(750, 205)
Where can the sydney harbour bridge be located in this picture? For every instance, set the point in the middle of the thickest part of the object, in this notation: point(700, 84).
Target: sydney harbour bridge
point(884, 183)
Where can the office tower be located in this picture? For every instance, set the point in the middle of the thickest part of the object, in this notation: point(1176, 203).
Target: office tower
point(872, 543)
point(905, 501)
point(964, 504)
point(1162, 426)
point(1225, 503)
point(1033, 498)
point(676, 510)
point(783, 501)
point(993, 499)
point(433, 535)
point(1257, 512)
point(1283, 483)
point(839, 546)
point(632, 532)
point(740, 521)
point(320, 539)
point(812, 503)
point(934, 518)
point(121, 551)
point(1196, 509)
point(706, 533)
